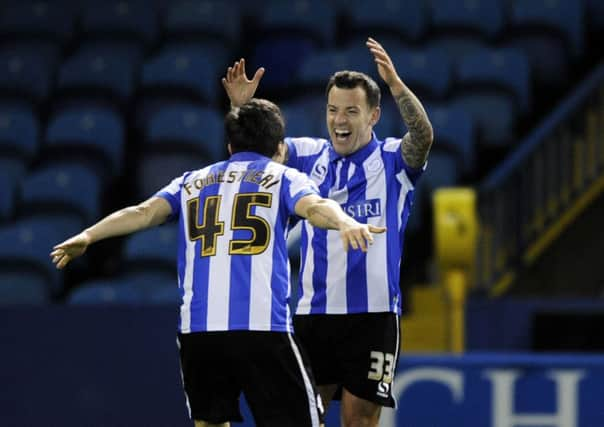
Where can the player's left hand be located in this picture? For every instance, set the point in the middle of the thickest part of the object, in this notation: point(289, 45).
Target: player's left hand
point(238, 87)
point(71, 248)
point(385, 66)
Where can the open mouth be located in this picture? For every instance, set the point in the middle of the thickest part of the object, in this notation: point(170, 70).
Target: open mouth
point(342, 135)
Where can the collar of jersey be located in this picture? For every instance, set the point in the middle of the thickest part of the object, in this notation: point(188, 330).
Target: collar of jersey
point(358, 157)
point(244, 156)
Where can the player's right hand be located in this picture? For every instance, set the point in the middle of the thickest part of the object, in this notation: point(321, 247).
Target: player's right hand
point(359, 236)
point(71, 248)
point(238, 87)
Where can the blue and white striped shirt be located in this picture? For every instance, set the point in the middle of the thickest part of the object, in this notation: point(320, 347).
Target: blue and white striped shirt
point(375, 186)
point(233, 270)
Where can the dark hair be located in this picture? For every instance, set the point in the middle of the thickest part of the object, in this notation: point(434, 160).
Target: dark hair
point(256, 126)
point(351, 79)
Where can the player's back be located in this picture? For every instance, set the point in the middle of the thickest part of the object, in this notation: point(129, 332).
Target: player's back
point(233, 265)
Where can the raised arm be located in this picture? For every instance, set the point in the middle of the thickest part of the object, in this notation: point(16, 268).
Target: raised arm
point(238, 87)
point(418, 140)
point(325, 213)
point(149, 213)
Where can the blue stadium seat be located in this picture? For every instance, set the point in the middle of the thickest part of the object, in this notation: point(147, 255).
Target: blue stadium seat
point(505, 69)
point(314, 19)
point(595, 16)
point(191, 71)
point(495, 116)
point(454, 130)
point(305, 116)
point(106, 68)
point(187, 127)
point(386, 20)
point(152, 248)
point(390, 123)
point(23, 289)
point(269, 53)
point(315, 70)
point(156, 170)
point(19, 131)
point(134, 20)
point(27, 69)
point(459, 28)
point(63, 187)
point(291, 30)
point(104, 292)
point(155, 287)
point(213, 19)
point(43, 19)
point(428, 72)
point(26, 244)
point(484, 18)
point(494, 87)
point(93, 134)
point(12, 168)
point(551, 33)
point(8, 187)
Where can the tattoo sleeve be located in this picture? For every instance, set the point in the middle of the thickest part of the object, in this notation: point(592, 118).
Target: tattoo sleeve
point(417, 142)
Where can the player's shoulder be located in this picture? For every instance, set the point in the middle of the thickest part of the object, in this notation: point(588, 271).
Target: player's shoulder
point(308, 146)
point(391, 144)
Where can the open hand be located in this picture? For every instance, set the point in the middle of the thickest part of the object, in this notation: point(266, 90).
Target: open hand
point(71, 248)
point(238, 87)
point(359, 236)
point(384, 63)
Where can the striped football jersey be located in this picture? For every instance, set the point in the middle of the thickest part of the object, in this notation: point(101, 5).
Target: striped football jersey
point(375, 186)
point(233, 270)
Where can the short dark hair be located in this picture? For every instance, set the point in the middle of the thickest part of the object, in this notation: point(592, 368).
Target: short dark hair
point(350, 79)
point(256, 126)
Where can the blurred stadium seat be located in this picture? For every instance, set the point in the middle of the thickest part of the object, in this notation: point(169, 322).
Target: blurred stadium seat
point(52, 20)
point(27, 70)
point(133, 20)
point(19, 131)
point(385, 20)
point(26, 243)
point(203, 19)
point(428, 71)
point(8, 186)
point(315, 70)
point(490, 80)
point(186, 127)
point(104, 292)
point(454, 130)
point(105, 69)
point(551, 33)
point(62, 188)
point(305, 116)
point(156, 170)
point(94, 135)
point(189, 71)
point(23, 288)
point(152, 249)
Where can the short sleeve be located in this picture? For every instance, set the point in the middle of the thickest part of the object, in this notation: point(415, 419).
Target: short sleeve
point(301, 152)
point(392, 147)
point(296, 185)
point(171, 193)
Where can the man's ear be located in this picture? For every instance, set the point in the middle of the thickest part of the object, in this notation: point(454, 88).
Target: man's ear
point(375, 115)
point(230, 149)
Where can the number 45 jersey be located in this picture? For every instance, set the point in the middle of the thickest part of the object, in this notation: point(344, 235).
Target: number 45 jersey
point(233, 270)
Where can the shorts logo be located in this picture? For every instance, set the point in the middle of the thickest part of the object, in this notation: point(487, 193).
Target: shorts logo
point(383, 389)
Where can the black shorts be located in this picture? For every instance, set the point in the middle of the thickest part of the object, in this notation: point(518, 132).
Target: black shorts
point(268, 367)
point(356, 351)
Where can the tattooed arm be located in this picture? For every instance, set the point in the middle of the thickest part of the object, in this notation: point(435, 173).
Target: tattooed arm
point(417, 142)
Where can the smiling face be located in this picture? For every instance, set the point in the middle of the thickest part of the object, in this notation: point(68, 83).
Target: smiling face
point(350, 119)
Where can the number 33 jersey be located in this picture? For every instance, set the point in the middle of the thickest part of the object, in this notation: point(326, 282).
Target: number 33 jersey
point(233, 270)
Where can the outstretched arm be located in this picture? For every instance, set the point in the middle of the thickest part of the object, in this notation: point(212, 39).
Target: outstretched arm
point(418, 140)
point(149, 213)
point(325, 213)
point(238, 87)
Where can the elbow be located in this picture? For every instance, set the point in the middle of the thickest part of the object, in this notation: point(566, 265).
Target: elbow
point(143, 212)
